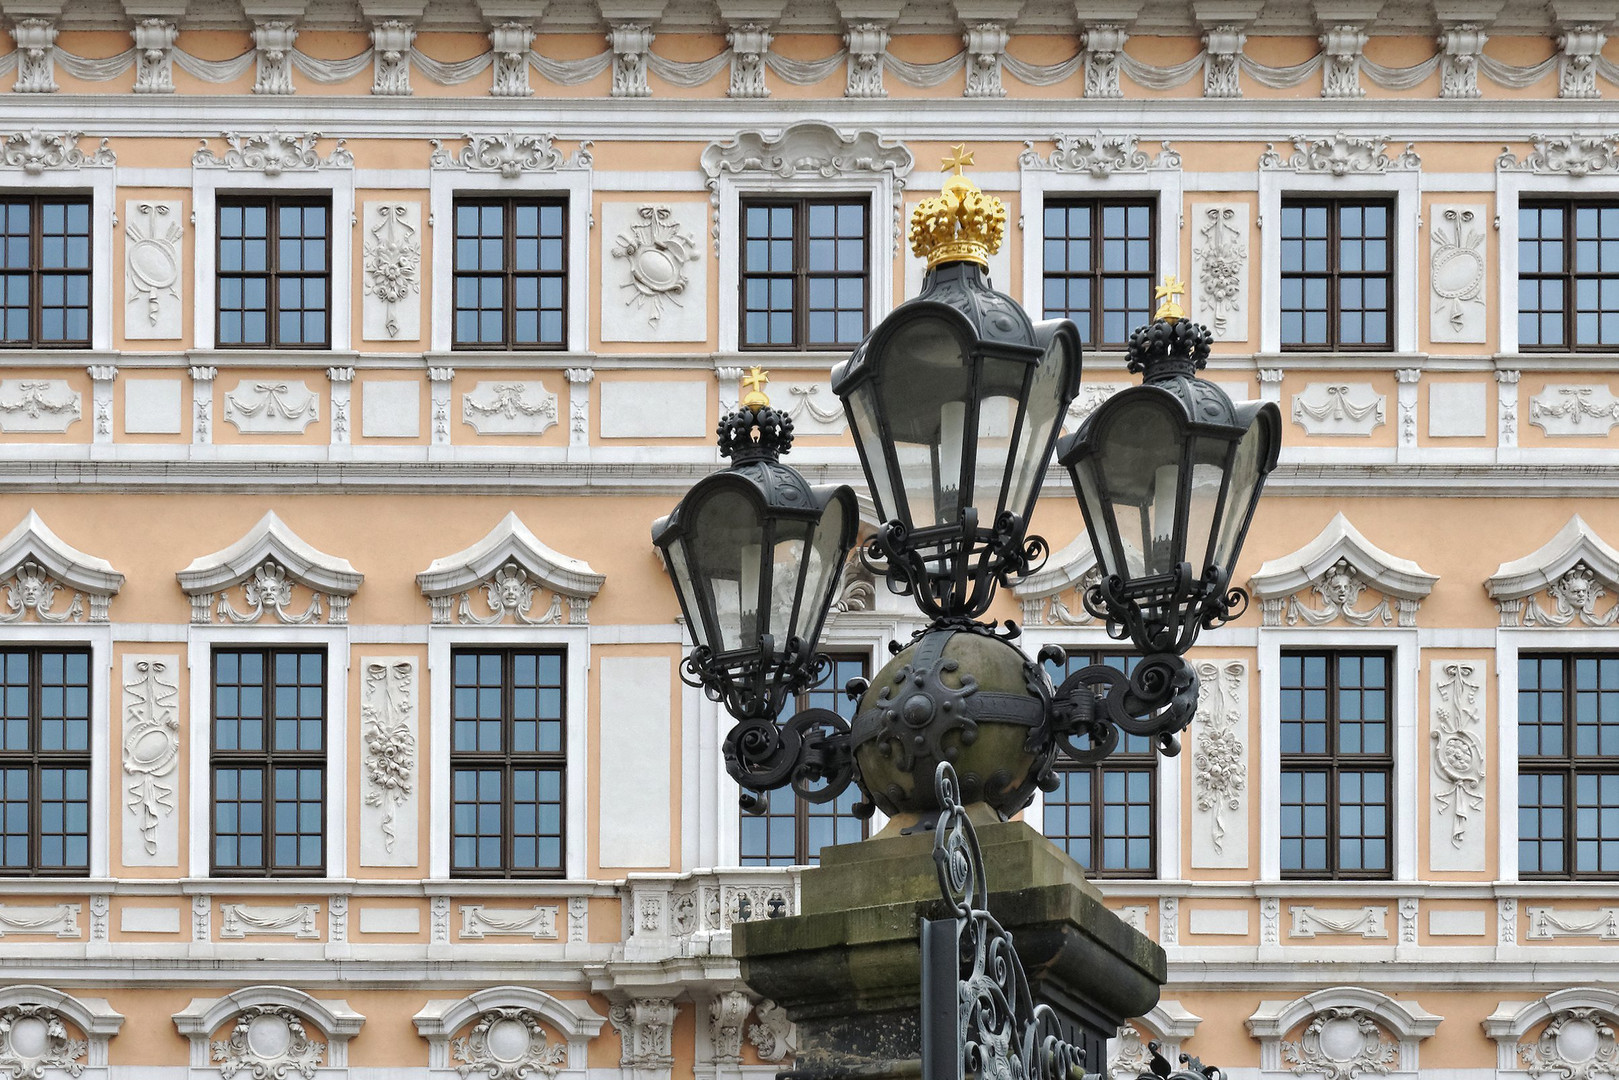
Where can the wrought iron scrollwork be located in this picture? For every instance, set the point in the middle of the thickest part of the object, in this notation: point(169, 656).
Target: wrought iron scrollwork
point(810, 753)
point(977, 559)
point(1001, 1033)
point(1158, 699)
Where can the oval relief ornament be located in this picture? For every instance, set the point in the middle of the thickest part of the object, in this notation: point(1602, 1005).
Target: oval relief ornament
point(656, 251)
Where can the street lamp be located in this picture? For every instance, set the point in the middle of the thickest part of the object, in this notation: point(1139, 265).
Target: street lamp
point(955, 402)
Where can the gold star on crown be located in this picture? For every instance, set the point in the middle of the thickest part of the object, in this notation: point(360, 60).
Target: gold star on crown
point(1170, 310)
point(754, 382)
point(962, 224)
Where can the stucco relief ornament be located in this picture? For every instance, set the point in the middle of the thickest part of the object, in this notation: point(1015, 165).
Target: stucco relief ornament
point(152, 256)
point(1222, 262)
point(269, 591)
point(1574, 596)
point(393, 257)
point(33, 151)
point(1457, 262)
point(1341, 1044)
point(657, 251)
point(34, 401)
point(1578, 1044)
point(1060, 613)
point(1338, 406)
point(509, 154)
point(390, 746)
point(1340, 155)
point(1130, 1055)
point(1219, 770)
point(1458, 753)
point(1571, 155)
point(1339, 589)
point(30, 588)
point(33, 1038)
point(151, 745)
point(1098, 154)
point(273, 152)
point(1574, 405)
point(268, 1043)
point(508, 1044)
point(509, 592)
point(774, 1036)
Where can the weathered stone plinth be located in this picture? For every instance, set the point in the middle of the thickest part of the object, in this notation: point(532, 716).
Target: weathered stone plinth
point(848, 969)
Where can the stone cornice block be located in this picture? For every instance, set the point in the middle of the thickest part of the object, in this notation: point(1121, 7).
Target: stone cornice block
point(1226, 12)
point(499, 11)
point(734, 12)
point(637, 11)
point(1124, 12)
point(379, 10)
point(172, 10)
point(869, 11)
point(971, 12)
point(1600, 13)
point(1344, 12)
point(1477, 12)
point(260, 10)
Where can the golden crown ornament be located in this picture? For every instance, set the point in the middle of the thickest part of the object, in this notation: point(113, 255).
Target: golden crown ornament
point(962, 224)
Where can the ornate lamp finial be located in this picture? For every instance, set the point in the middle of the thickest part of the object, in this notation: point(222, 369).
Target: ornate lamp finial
point(754, 381)
point(1170, 310)
point(962, 224)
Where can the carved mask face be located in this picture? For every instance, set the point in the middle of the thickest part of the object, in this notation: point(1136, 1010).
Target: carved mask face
point(1339, 588)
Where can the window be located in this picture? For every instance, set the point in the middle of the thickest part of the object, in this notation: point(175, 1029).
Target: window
point(1103, 814)
point(792, 831)
point(511, 273)
point(274, 274)
point(1101, 262)
point(269, 762)
point(44, 762)
point(1337, 765)
point(1568, 766)
point(804, 273)
point(507, 763)
point(45, 271)
point(1337, 274)
point(1568, 275)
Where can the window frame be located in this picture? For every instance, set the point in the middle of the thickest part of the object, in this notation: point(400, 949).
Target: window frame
point(1334, 273)
point(35, 759)
point(35, 200)
point(1569, 204)
point(507, 760)
point(1119, 762)
point(801, 274)
point(273, 202)
point(270, 760)
point(1097, 202)
point(1329, 762)
point(1568, 765)
point(801, 807)
point(1404, 186)
point(510, 201)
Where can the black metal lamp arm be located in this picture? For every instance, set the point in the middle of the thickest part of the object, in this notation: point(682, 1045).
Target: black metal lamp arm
point(1158, 699)
point(810, 753)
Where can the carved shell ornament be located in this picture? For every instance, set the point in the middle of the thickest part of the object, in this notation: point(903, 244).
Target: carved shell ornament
point(32, 1039)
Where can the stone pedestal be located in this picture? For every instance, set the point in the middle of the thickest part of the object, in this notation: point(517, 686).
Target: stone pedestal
point(848, 969)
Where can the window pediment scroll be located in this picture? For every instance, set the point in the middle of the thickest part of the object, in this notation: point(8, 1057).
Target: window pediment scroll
point(808, 150)
point(1567, 1035)
point(41, 1029)
point(1340, 576)
point(268, 1033)
point(34, 151)
point(44, 577)
point(1339, 155)
point(503, 578)
point(509, 153)
point(272, 153)
point(1341, 1033)
point(1098, 153)
point(269, 565)
point(1566, 582)
point(511, 1019)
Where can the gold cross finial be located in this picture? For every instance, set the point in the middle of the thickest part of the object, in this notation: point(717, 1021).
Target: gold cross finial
point(959, 156)
point(754, 382)
point(1172, 288)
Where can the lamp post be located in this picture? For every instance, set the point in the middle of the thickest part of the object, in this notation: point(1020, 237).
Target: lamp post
point(955, 402)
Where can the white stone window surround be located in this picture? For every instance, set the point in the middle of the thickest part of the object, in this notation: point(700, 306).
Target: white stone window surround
point(440, 1019)
point(201, 641)
point(100, 182)
point(1511, 188)
point(444, 186)
point(334, 1023)
point(208, 183)
point(1403, 820)
point(1167, 820)
point(880, 249)
point(1406, 189)
point(98, 639)
point(1509, 642)
point(1166, 187)
point(442, 641)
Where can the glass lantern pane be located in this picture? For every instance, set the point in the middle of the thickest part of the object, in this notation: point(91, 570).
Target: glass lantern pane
point(1084, 471)
point(867, 433)
point(680, 571)
point(824, 565)
point(726, 541)
point(923, 390)
point(1000, 389)
point(1039, 425)
point(1252, 451)
point(1210, 462)
point(790, 550)
point(1139, 468)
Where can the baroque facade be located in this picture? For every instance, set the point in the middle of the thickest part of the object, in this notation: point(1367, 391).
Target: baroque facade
point(351, 349)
